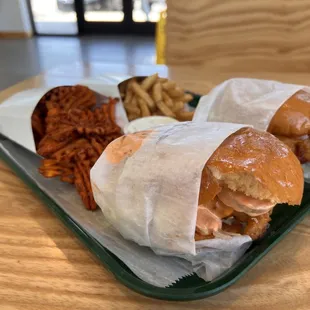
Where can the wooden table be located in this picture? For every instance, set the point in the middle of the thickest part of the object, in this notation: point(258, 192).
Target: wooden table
point(43, 265)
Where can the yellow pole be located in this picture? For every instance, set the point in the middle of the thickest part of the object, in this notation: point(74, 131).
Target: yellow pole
point(160, 39)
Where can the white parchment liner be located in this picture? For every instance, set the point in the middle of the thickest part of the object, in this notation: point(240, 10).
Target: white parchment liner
point(152, 197)
point(247, 101)
point(16, 111)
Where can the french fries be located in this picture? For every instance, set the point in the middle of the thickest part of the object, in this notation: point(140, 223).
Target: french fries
point(164, 109)
point(142, 94)
point(178, 106)
point(155, 96)
point(143, 107)
point(149, 82)
point(167, 100)
point(169, 85)
point(185, 115)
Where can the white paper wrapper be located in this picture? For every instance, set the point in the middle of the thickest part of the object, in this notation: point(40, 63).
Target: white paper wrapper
point(246, 101)
point(152, 197)
point(15, 116)
point(215, 256)
point(158, 270)
point(16, 111)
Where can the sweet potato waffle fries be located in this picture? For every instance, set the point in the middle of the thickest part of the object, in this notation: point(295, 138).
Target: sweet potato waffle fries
point(71, 133)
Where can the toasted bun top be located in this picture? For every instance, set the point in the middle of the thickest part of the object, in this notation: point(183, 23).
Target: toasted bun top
point(259, 165)
point(293, 117)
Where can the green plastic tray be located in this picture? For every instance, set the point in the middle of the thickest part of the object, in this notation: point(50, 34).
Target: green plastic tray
point(195, 100)
point(284, 219)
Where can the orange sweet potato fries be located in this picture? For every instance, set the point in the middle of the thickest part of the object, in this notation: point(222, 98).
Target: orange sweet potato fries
point(71, 133)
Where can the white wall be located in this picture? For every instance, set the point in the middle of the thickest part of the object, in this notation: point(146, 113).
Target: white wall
point(14, 16)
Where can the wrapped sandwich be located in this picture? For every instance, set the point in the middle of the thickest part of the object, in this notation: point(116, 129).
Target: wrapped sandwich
point(187, 182)
point(281, 109)
point(248, 174)
point(291, 124)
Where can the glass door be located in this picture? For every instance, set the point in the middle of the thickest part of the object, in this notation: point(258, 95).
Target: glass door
point(72, 17)
point(147, 10)
point(118, 16)
point(103, 11)
point(53, 17)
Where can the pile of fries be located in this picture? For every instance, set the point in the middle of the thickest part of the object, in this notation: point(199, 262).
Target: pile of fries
point(71, 133)
point(156, 96)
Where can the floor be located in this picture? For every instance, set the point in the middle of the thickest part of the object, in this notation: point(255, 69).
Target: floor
point(23, 58)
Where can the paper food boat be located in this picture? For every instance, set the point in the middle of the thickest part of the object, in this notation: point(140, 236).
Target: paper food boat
point(16, 111)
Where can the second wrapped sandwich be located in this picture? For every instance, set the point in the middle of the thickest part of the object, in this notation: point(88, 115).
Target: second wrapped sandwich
point(281, 109)
point(181, 183)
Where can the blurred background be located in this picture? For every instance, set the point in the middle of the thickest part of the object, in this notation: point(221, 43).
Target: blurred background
point(96, 16)
point(214, 39)
point(39, 35)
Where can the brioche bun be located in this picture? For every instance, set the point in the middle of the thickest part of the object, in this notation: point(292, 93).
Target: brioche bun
point(259, 165)
point(293, 117)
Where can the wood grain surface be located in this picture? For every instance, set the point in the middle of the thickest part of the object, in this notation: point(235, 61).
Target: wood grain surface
point(43, 266)
point(15, 35)
point(240, 34)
